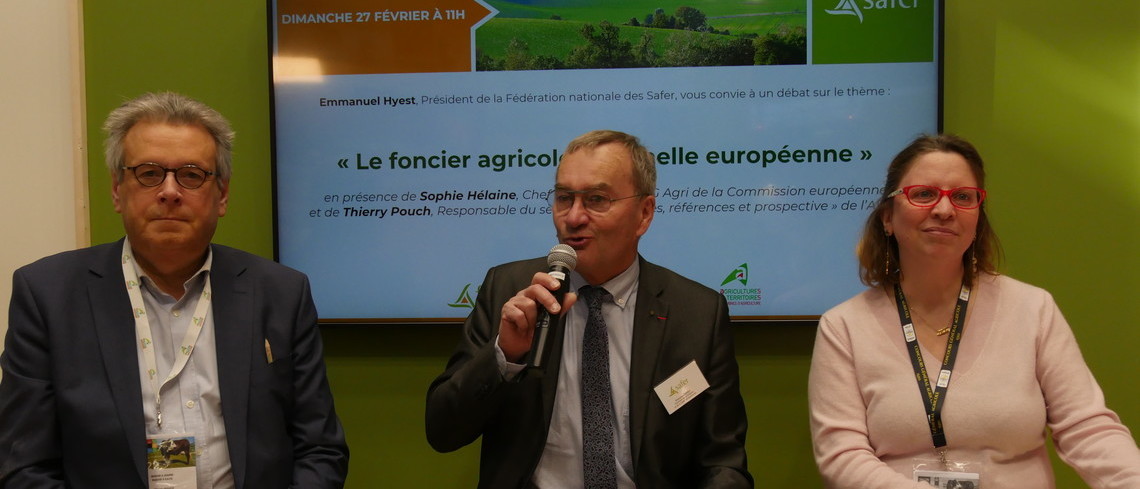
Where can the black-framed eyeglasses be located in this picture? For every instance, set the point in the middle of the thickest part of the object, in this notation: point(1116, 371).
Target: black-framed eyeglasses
point(928, 196)
point(153, 174)
point(594, 201)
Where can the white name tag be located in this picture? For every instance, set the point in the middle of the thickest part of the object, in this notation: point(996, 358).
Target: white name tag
point(681, 387)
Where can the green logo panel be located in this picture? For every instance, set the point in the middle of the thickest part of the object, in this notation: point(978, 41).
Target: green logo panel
point(872, 31)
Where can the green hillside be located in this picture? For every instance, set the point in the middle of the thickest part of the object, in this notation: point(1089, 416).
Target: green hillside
point(537, 30)
point(619, 12)
point(550, 38)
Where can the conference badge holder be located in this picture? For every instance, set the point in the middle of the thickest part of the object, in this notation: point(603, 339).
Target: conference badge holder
point(948, 475)
point(171, 461)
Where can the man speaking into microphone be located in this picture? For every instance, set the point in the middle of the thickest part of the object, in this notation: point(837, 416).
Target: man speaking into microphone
point(640, 386)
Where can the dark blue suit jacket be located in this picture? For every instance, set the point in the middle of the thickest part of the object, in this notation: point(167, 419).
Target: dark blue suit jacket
point(677, 320)
point(71, 410)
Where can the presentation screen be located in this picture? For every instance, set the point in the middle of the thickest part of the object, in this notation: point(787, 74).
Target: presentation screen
point(416, 141)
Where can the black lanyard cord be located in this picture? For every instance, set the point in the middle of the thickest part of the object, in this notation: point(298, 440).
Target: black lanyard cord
point(933, 394)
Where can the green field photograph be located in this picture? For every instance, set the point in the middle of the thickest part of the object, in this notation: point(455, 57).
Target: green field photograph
point(595, 34)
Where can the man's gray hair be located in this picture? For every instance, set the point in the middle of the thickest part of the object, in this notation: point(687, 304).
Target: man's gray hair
point(169, 108)
point(644, 170)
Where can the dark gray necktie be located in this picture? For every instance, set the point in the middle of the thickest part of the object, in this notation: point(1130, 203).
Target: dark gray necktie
point(597, 406)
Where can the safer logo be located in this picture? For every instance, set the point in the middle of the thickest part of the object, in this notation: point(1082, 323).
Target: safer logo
point(464, 300)
point(874, 31)
point(847, 7)
point(851, 7)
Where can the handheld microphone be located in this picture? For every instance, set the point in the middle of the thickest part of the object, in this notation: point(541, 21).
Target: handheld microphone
point(561, 259)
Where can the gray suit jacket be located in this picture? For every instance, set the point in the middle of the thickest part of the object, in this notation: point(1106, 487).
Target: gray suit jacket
point(71, 410)
point(676, 321)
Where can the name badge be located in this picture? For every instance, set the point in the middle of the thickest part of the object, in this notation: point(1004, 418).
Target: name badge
point(949, 480)
point(171, 461)
point(681, 387)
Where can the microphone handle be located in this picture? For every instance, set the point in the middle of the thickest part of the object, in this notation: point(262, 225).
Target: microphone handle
point(544, 327)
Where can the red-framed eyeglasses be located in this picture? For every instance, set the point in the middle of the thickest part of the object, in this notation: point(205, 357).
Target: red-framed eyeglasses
point(929, 196)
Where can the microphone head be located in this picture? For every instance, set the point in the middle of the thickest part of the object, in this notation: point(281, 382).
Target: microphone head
point(564, 255)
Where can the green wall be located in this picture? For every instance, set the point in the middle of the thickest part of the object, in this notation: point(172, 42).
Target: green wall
point(1050, 93)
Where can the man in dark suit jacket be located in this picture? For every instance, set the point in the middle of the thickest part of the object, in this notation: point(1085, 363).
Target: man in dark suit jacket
point(76, 409)
point(529, 419)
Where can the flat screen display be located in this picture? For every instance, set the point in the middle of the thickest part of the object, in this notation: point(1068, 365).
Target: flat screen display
point(415, 141)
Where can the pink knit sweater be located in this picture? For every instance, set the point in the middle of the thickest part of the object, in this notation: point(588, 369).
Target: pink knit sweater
point(1018, 371)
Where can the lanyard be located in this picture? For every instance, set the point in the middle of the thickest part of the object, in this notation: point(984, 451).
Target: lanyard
point(143, 333)
point(934, 396)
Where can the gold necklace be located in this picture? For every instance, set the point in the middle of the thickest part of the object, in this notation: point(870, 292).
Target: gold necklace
point(937, 332)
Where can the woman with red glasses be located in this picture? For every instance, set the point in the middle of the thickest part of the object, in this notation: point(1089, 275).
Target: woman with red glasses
point(944, 373)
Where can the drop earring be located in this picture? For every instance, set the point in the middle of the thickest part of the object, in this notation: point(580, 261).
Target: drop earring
point(887, 265)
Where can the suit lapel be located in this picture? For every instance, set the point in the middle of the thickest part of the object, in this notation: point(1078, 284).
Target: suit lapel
point(649, 325)
point(115, 330)
point(233, 333)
